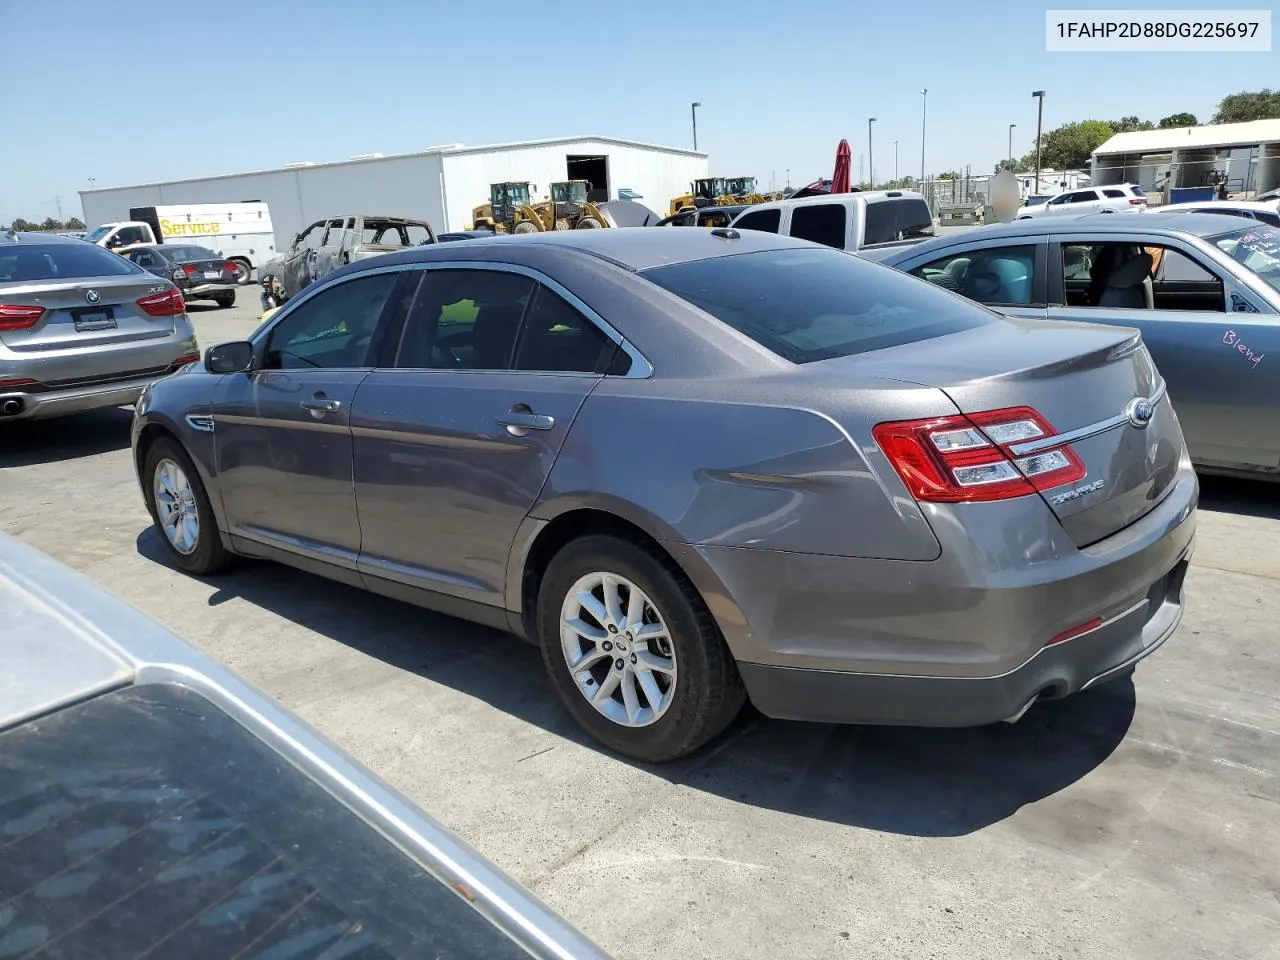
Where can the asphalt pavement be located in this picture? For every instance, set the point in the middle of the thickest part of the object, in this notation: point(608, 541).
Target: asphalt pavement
point(1138, 821)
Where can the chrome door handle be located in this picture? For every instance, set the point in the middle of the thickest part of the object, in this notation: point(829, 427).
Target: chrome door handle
point(517, 420)
point(319, 405)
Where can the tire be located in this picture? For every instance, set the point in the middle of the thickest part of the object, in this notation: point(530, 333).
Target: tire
point(225, 300)
point(208, 554)
point(247, 268)
point(589, 223)
point(525, 226)
point(704, 689)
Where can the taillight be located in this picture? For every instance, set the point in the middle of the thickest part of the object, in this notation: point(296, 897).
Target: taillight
point(183, 360)
point(167, 304)
point(1137, 203)
point(231, 267)
point(966, 458)
point(14, 316)
point(189, 270)
point(20, 382)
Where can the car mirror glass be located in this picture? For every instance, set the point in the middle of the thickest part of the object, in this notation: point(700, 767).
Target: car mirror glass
point(233, 357)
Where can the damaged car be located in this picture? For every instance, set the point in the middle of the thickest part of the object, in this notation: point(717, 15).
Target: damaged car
point(329, 244)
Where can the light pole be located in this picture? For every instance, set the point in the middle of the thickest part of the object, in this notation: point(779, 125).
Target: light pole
point(1039, 95)
point(871, 163)
point(1011, 126)
point(924, 113)
point(694, 111)
point(895, 161)
point(91, 182)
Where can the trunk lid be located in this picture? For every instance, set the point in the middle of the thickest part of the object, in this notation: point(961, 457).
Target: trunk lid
point(86, 312)
point(1085, 380)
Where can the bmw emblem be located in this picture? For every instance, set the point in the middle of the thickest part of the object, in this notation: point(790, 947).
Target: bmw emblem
point(92, 296)
point(1140, 411)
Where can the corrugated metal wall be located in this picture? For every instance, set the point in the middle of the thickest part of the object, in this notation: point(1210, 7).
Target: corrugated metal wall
point(410, 186)
point(654, 173)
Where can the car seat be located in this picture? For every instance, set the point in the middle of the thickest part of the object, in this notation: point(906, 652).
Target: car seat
point(1129, 285)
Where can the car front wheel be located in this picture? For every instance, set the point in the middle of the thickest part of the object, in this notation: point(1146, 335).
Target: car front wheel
point(180, 509)
point(632, 650)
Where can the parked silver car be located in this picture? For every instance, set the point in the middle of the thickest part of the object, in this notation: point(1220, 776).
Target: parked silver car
point(697, 466)
point(155, 804)
point(81, 327)
point(1203, 289)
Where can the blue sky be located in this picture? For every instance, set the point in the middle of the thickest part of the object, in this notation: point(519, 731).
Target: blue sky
point(128, 97)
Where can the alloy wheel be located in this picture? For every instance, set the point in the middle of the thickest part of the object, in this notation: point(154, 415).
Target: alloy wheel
point(176, 507)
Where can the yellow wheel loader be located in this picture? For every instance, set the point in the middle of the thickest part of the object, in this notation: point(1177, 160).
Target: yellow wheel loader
point(509, 210)
point(569, 208)
point(706, 192)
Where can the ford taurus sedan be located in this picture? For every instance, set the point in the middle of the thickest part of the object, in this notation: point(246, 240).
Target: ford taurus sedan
point(1203, 289)
point(696, 467)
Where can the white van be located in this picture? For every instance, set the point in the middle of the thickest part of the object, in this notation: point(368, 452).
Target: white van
point(846, 221)
point(240, 232)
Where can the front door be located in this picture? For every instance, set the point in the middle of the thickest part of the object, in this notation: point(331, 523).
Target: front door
point(283, 431)
point(454, 442)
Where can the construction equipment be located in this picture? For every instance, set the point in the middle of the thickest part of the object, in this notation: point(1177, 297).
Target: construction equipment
point(508, 210)
point(569, 208)
point(739, 190)
point(706, 192)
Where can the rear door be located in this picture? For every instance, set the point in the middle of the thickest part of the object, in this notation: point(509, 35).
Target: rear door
point(455, 440)
point(1191, 337)
point(78, 312)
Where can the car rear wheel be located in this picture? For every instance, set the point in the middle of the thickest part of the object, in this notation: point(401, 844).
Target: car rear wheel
point(246, 270)
point(225, 300)
point(632, 650)
point(181, 511)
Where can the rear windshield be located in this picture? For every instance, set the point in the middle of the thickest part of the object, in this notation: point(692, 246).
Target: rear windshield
point(35, 262)
point(1258, 248)
point(189, 254)
point(808, 305)
point(1137, 191)
point(897, 219)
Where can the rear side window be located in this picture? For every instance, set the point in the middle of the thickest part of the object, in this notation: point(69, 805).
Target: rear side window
point(24, 262)
point(766, 221)
point(808, 305)
point(897, 219)
point(1114, 194)
point(822, 223)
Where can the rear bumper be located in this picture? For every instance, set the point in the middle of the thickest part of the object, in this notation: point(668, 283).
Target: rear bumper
point(1054, 672)
point(56, 403)
point(212, 288)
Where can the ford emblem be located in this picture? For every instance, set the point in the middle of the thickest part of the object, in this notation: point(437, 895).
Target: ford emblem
point(92, 296)
point(1140, 411)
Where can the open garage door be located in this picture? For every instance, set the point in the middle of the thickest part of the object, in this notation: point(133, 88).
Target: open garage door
point(595, 170)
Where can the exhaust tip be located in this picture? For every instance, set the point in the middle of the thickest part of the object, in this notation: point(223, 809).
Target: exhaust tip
point(11, 407)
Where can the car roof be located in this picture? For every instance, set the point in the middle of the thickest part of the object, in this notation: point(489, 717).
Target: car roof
point(11, 238)
point(1196, 224)
point(635, 248)
point(1208, 206)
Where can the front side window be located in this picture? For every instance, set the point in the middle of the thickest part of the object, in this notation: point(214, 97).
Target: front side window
point(807, 305)
point(766, 221)
point(822, 223)
point(465, 320)
point(310, 240)
point(333, 329)
point(995, 275)
point(333, 233)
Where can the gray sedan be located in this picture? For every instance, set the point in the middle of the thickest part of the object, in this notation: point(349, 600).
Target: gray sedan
point(1203, 289)
point(695, 467)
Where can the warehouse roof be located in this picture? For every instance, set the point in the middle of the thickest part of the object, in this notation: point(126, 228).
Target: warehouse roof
point(1177, 138)
point(451, 149)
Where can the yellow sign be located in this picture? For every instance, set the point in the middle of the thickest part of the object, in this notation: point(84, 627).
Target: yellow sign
point(171, 229)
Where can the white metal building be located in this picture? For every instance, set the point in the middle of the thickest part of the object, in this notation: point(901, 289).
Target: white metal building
point(440, 184)
point(1245, 155)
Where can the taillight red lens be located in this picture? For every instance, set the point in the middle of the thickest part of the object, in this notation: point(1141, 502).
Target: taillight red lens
point(186, 358)
point(1078, 631)
point(962, 459)
point(189, 270)
point(14, 316)
point(167, 304)
point(1137, 203)
point(20, 382)
point(231, 266)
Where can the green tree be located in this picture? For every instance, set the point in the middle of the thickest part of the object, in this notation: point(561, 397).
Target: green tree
point(75, 223)
point(1070, 145)
point(1179, 120)
point(1017, 164)
point(1129, 124)
point(22, 225)
point(1241, 107)
point(51, 224)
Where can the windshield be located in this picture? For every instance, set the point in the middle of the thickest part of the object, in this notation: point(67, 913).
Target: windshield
point(709, 189)
point(740, 186)
point(573, 192)
point(506, 194)
point(808, 305)
point(1257, 248)
point(189, 254)
point(97, 233)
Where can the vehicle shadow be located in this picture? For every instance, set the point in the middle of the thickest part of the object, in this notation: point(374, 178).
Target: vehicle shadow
point(910, 781)
point(28, 442)
point(1250, 498)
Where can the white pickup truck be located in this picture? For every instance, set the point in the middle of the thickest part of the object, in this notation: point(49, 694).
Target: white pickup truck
point(241, 232)
point(846, 221)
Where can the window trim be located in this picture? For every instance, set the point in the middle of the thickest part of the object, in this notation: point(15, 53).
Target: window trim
point(641, 368)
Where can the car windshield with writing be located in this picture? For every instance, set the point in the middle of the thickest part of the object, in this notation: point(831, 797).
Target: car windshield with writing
point(1257, 248)
point(808, 305)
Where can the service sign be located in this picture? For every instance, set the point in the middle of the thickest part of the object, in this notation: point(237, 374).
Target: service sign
point(198, 229)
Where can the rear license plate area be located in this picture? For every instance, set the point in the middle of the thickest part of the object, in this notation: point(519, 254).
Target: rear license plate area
point(212, 274)
point(88, 320)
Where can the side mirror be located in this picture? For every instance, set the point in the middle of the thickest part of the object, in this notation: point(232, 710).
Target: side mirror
point(233, 357)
